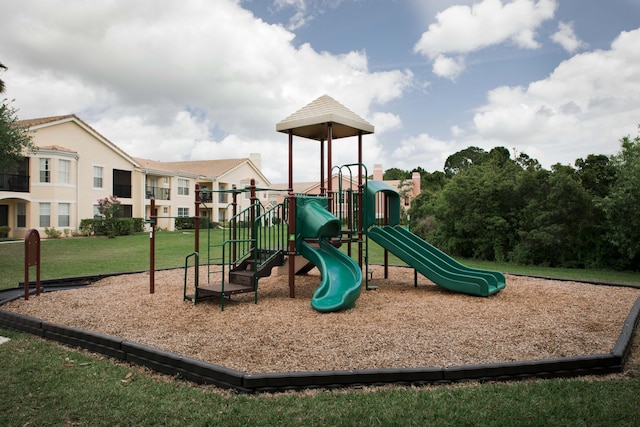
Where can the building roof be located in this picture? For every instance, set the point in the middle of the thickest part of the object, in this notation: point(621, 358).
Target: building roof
point(35, 124)
point(312, 120)
point(202, 168)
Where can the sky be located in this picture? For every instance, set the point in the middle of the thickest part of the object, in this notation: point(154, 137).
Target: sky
point(200, 79)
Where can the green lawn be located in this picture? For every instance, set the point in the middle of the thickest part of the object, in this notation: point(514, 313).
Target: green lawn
point(47, 384)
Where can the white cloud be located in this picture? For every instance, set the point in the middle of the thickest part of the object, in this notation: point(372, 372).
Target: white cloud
point(156, 75)
point(583, 107)
point(566, 37)
point(423, 150)
point(445, 66)
point(462, 29)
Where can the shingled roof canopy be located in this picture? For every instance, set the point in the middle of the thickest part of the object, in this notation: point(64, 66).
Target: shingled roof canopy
point(311, 121)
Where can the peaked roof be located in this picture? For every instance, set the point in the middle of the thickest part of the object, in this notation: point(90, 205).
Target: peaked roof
point(202, 168)
point(311, 121)
point(42, 122)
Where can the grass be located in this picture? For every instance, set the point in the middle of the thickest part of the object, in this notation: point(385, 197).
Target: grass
point(91, 256)
point(47, 384)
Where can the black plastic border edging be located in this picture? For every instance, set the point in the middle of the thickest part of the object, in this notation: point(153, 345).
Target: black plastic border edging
point(208, 373)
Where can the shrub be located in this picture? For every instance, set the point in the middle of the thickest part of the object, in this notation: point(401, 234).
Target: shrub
point(188, 223)
point(111, 228)
point(52, 233)
point(4, 231)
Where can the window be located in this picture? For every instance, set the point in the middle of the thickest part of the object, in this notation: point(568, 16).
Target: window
point(165, 209)
point(96, 212)
point(45, 214)
point(183, 211)
point(244, 184)
point(63, 214)
point(122, 183)
point(222, 197)
point(44, 170)
point(183, 187)
point(21, 215)
point(97, 177)
point(64, 171)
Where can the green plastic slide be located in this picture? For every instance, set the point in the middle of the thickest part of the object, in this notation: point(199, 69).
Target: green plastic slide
point(434, 264)
point(341, 277)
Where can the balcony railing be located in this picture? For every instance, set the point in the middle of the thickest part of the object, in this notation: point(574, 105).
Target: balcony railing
point(14, 182)
point(158, 193)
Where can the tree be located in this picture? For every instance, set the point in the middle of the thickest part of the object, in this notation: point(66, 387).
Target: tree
point(463, 159)
point(14, 139)
point(111, 208)
point(2, 67)
point(621, 204)
point(395, 174)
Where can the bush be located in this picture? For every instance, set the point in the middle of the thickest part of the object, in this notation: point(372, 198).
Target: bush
point(4, 231)
point(52, 233)
point(188, 223)
point(115, 227)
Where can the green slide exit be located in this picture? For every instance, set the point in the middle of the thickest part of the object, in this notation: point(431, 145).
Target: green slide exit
point(434, 264)
point(341, 276)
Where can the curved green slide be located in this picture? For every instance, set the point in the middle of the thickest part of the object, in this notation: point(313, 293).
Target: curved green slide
point(434, 264)
point(341, 276)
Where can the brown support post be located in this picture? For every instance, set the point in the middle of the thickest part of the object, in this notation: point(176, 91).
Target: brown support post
point(329, 166)
point(31, 257)
point(152, 247)
point(360, 199)
point(292, 223)
point(196, 220)
point(323, 189)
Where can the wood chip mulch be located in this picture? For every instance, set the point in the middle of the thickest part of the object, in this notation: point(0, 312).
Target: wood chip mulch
point(395, 326)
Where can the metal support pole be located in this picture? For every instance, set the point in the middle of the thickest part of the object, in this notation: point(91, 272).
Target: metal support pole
point(329, 166)
point(196, 220)
point(360, 199)
point(152, 247)
point(323, 189)
point(292, 223)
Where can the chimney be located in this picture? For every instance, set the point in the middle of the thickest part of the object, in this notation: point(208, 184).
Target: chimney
point(256, 159)
point(377, 172)
point(415, 177)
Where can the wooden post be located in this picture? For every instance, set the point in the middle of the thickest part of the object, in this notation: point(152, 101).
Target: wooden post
point(31, 257)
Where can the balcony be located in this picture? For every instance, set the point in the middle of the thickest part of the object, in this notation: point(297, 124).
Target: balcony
point(14, 182)
point(158, 193)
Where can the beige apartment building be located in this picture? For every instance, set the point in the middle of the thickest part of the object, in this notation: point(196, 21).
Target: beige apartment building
point(59, 184)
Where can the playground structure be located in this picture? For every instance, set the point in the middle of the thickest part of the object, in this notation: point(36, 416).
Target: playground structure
point(307, 230)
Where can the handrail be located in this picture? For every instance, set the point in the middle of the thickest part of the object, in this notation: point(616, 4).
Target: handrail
point(196, 276)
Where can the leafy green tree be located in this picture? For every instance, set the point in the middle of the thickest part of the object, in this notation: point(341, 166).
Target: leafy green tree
point(463, 159)
point(111, 209)
point(597, 173)
point(14, 139)
point(621, 204)
point(2, 67)
point(476, 211)
point(394, 174)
